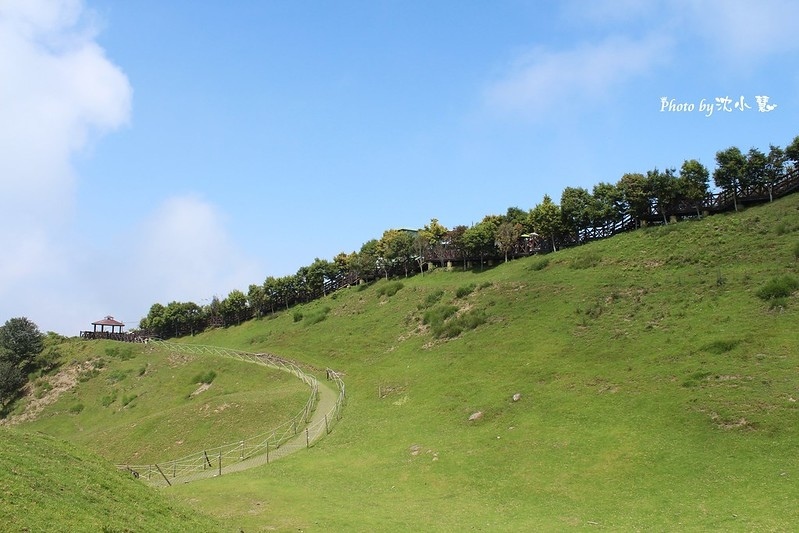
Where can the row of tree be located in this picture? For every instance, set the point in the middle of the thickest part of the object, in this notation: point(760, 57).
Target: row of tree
point(634, 197)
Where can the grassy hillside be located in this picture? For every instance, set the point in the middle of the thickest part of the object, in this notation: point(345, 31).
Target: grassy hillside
point(135, 404)
point(49, 485)
point(657, 390)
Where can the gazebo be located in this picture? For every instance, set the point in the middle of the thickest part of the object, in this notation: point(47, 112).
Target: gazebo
point(108, 322)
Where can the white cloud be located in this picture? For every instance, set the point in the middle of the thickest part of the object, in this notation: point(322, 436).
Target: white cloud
point(544, 82)
point(183, 252)
point(58, 91)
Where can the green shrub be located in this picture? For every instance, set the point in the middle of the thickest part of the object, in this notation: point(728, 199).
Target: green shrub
point(721, 346)
point(297, 316)
point(390, 288)
point(436, 317)
point(778, 287)
point(465, 290)
point(317, 316)
point(117, 375)
point(796, 251)
point(76, 409)
point(431, 299)
point(539, 264)
point(207, 377)
point(109, 399)
point(586, 260)
point(126, 400)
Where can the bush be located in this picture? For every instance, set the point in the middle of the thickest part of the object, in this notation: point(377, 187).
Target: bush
point(126, 400)
point(431, 299)
point(778, 287)
point(108, 400)
point(297, 316)
point(76, 409)
point(796, 251)
point(390, 288)
point(121, 353)
point(11, 380)
point(317, 316)
point(721, 346)
point(539, 264)
point(465, 290)
point(586, 260)
point(207, 377)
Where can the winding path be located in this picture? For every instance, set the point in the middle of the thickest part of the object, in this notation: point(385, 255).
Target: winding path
point(317, 418)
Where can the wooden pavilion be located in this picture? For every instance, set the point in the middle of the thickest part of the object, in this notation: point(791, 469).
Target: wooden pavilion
point(108, 322)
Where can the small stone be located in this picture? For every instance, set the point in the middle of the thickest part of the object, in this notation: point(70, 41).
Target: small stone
point(517, 397)
point(476, 416)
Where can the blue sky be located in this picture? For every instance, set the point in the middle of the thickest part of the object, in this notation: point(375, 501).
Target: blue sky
point(154, 151)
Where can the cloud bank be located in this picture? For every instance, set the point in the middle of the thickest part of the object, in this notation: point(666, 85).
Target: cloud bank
point(58, 96)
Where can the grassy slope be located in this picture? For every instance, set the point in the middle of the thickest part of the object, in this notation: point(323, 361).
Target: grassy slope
point(164, 420)
point(49, 485)
point(657, 392)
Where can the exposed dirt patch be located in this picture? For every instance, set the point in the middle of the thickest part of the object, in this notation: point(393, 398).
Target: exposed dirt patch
point(61, 382)
point(202, 388)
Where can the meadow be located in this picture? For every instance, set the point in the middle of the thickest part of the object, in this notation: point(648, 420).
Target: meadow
point(644, 382)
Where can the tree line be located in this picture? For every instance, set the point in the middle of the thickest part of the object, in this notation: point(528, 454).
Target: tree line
point(635, 197)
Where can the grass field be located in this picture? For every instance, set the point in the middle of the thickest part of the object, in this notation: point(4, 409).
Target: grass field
point(657, 382)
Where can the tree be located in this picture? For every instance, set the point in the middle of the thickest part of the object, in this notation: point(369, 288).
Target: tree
point(730, 168)
point(20, 342)
point(479, 240)
point(755, 169)
point(516, 215)
point(576, 207)
point(366, 261)
point(792, 151)
point(435, 235)
point(257, 300)
point(11, 381)
point(607, 204)
point(634, 196)
point(663, 190)
point(775, 168)
point(547, 220)
point(693, 183)
point(234, 307)
point(507, 236)
point(457, 243)
point(396, 248)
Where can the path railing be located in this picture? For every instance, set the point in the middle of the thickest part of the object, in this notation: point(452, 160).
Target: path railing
point(320, 414)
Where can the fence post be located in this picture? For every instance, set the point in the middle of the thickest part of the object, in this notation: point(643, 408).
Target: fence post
point(267, 452)
point(162, 473)
point(327, 429)
point(307, 439)
point(220, 463)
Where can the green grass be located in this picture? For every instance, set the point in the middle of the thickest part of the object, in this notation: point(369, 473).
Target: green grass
point(50, 485)
point(658, 392)
point(178, 406)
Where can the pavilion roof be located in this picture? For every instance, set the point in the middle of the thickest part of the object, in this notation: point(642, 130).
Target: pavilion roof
point(108, 321)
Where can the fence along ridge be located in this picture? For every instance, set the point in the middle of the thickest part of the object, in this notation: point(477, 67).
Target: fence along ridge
point(299, 432)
